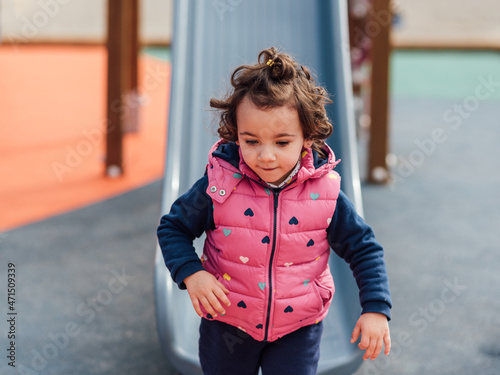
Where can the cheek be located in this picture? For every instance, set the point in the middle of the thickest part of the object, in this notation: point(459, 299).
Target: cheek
point(247, 154)
point(292, 159)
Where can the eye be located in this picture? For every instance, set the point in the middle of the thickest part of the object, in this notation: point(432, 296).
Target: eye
point(251, 142)
point(282, 143)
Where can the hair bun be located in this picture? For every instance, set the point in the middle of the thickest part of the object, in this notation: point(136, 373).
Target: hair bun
point(279, 66)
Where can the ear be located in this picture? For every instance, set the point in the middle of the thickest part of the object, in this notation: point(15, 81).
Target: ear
point(238, 143)
point(308, 143)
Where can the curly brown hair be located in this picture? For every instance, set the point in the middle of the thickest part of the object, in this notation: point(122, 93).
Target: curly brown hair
point(276, 80)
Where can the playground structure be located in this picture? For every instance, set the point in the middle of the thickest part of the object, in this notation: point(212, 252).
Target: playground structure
point(209, 41)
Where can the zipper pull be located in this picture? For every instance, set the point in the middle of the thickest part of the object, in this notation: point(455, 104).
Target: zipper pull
point(275, 195)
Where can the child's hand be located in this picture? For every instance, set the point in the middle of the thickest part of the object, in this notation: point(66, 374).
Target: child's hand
point(205, 289)
point(374, 330)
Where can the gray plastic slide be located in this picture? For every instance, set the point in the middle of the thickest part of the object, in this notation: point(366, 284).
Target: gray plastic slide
point(211, 38)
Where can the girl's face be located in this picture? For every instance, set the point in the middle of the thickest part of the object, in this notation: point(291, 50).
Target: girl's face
point(270, 140)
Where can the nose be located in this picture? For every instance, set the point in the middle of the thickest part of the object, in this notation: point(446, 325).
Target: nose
point(266, 154)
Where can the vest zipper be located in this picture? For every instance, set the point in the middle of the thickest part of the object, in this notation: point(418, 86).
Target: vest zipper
point(273, 249)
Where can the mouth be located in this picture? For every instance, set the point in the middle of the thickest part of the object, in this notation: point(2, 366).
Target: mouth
point(269, 169)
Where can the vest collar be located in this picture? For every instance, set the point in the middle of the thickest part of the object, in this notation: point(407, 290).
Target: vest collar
point(226, 168)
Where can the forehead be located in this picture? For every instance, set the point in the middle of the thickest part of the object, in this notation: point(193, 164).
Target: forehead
point(278, 120)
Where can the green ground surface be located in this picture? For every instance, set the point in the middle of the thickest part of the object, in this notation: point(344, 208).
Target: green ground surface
point(443, 74)
point(162, 53)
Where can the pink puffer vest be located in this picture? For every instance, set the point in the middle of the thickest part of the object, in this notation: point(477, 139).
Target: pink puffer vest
point(270, 249)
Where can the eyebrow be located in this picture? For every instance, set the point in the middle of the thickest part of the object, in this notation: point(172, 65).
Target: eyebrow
point(277, 135)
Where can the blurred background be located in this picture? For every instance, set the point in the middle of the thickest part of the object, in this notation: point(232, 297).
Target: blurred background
point(80, 194)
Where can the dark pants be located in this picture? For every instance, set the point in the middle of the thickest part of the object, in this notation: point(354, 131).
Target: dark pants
point(226, 350)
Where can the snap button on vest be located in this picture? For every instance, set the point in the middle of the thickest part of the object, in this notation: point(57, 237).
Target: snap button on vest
point(213, 189)
point(222, 192)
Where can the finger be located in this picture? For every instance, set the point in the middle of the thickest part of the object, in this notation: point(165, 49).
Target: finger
point(369, 349)
point(387, 342)
point(224, 289)
point(378, 349)
point(221, 295)
point(196, 305)
point(214, 301)
point(355, 333)
point(208, 307)
point(365, 341)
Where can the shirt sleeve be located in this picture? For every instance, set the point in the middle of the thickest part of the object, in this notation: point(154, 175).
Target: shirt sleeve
point(189, 217)
point(354, 241)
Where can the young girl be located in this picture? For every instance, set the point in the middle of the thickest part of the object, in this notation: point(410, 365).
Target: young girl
point(271, 206)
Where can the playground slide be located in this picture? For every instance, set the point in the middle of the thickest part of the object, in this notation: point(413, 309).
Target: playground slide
point(211, 38)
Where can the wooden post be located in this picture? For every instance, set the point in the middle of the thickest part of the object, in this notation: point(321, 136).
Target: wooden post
point(131, 95)
point(379, 27)
point(122, 48)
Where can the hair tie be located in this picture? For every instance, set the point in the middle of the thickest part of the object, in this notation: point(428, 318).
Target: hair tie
point(270, 62)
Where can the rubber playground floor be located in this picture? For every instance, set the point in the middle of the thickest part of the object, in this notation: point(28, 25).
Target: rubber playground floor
point(83, 245)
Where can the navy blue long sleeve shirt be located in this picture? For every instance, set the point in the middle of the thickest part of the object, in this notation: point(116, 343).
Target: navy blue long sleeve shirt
point(348, 235)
